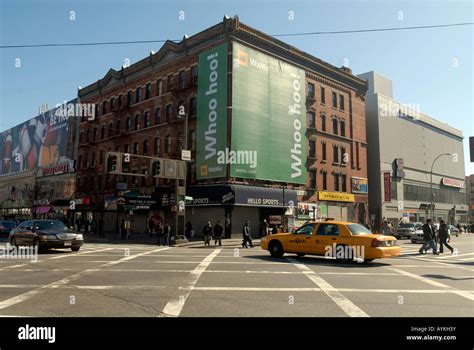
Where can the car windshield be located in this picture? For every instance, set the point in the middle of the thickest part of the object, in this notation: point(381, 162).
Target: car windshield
point(358, 229)
point(407, 225)
point(50, 225)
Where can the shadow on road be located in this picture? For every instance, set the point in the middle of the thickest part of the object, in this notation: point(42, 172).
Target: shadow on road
point(448, 277)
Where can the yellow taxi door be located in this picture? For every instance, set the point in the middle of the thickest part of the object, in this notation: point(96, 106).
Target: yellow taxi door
point(300, 240)
point(325, 239)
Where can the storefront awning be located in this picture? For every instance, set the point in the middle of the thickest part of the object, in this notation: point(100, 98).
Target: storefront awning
point(240, 195)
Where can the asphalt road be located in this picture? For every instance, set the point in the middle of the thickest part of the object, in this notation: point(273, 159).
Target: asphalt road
point(111, 279)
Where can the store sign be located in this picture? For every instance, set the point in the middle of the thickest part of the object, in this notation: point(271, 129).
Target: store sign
point(275, 220)
point(336, 197)
point(121, 186)
point(452, 182)
point(398, 166)
point(387, 187)
point(359, 185)
point(56, 169)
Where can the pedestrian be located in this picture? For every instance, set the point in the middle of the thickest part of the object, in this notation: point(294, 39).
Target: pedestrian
point(265, 227)
point(159, 234)
point(151, 226)
point(247, 235)
point(94, 226)
point(218, 231)
point(187, 230)
point(443, 237)
point(167, 234)
point(78, 224)
point(122, 229)
point(386, 227)
point(429, 236)
point(228, 227)
point(207, 232)
point(274, 230)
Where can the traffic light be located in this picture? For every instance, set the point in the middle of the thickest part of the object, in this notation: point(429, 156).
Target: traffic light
point(156, 167)
point(112, 163)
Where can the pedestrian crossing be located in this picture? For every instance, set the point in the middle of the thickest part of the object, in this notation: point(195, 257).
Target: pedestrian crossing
point(457, 256)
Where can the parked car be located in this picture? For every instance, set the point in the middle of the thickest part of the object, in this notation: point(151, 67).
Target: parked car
point(6, 226)
point(46, 234)
point(405, 230)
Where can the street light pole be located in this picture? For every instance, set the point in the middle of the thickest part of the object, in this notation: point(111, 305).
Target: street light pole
point(431, 183)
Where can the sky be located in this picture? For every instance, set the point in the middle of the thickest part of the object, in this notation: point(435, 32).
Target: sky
point(431, 68)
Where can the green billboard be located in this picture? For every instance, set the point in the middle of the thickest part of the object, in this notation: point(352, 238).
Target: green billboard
point(268, 118)
point(211, 134)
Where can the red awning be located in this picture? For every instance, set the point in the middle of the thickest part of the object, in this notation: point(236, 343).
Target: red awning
point(44, 209)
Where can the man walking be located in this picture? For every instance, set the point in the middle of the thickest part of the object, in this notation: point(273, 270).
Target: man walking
point(246, 235)
point(218, 231)
point(207, 232)
point(159, 234)
point(429, 235)
point(443, 237)
point(265, 228)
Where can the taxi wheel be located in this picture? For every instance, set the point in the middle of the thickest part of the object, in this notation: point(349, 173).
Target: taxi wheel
point(276, 249)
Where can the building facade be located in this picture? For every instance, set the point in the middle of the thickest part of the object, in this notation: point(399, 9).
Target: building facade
point(404, 146)
point(270, 129)
point(470, 198)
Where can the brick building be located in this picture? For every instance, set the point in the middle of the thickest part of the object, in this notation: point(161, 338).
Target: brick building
point(137, 113)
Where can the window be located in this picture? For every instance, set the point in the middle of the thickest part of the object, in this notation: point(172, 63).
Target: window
point(344, 183)
point(104, 107)
point(157, 146)
point(343, 155)
point(126, 148)
point(192, 106)
point(328, 230)
point(96, 109)
point(112, 103)
point(323, 122)
point(81, 137)
point(335, 154)
point(312, 179)
point(334, 126)
point(138, 94)
point(182, 78)
point(310, 90)
point(94, 135)
point(194, 74)
point(325, 180)
point(117, 127)
point(99, 182)
point(336, 182)
point(147, 91)
point(135, 148)
point(93, 158)
point(341, 102)
point(129, 98)
point(312, 120)
point(143, 180)
point(334, 99)
point(137, 121)
point(305, 230)
point(193, 140)
point(169, 83)
point(312, 149)
point(146, 119)
point(159, 87)
point(102, 132)
point(119, 101)
point(323, 95)
point(167, 144)
point(169, 111)
point(158, 116)
point(145, 148)
point(111, 129)
point(323, 151)
point(101, 156)
point(343, 128)
point(79, 162)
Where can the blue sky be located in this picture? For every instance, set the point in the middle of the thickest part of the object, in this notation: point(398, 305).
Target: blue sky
point(432, 68)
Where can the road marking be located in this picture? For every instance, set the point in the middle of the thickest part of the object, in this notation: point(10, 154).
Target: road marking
point(174, 307)
point(12, 267)
point(462, 293)
point(345, 304)
point(444, 264)
point(81, 253)
point(25, 296)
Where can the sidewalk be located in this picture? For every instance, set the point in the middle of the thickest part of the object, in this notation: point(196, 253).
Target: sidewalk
point(143, 238)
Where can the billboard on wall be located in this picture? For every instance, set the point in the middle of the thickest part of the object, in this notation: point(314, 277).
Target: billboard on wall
point(38, 142)
point(212, 113)
point(268, 118)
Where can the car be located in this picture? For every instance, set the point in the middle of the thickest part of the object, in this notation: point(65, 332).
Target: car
point(454, 230)
point(405, 230)
point(418, 236)
point(6, 226)
point(46, 234)
point(340, 240)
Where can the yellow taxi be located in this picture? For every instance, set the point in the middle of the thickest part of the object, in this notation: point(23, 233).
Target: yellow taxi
point(339, 240)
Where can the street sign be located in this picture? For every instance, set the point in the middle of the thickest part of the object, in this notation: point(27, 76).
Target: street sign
point(185, 155)
point(188, 198)
point(120, 201)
